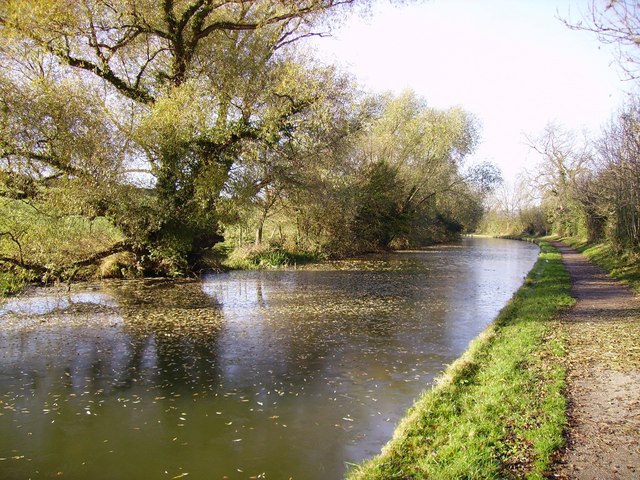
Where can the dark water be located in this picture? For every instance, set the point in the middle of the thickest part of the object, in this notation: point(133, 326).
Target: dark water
point(273, 374)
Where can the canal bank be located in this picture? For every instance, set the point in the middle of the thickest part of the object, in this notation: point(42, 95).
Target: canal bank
point(499, 410)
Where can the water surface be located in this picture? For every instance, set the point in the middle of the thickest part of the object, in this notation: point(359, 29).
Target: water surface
point(271, 374)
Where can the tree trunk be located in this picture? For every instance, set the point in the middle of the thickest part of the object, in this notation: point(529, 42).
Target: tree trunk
point(259, 233)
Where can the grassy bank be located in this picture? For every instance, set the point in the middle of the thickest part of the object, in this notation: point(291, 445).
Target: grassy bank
point(498, 411)
point(623, 265)
point(252, 257)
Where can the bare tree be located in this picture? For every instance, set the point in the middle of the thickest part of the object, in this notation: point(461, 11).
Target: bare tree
point(615, 22)
point(564, 164)
point(618, 176)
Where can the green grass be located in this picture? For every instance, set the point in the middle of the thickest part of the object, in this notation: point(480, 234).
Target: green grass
point(34, 234)
point(11, 284)
point(499, 410)
point(623, 265)
point(253, 257)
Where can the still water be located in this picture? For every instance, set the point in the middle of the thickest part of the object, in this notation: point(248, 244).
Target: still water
point(271, 374)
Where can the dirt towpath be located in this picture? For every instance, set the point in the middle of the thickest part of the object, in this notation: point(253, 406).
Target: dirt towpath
point(603, 384)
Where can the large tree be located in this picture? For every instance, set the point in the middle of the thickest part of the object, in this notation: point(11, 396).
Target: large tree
point(140, 109)
point(416, 155)
point(402, 178)
point(563, 170)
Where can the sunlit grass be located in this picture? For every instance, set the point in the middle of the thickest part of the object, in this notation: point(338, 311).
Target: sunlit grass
point(498, 411)
point(36, 235)
point(251, 257)
point(10, 283)
point(623, 265)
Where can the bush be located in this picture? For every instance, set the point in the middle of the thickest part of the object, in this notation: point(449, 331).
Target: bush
point(250, 257)
point(12, 282)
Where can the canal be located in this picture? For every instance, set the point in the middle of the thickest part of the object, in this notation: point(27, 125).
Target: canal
point(249, 374)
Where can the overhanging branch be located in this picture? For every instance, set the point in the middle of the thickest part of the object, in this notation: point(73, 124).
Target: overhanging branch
point(90, 260)
point(135, 93)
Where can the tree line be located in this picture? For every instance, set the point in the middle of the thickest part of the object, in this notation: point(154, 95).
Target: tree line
point(156, 130)
point(586, 187)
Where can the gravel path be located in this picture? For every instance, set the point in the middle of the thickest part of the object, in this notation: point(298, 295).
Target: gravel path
point(603, 384)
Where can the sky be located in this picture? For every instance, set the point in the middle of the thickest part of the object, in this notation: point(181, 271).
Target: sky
point(512, 63)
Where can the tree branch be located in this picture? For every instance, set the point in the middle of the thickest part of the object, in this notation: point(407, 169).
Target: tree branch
point(104, 72)
point(27, 266)
point(248, 26)
point(14, 240)
point(90, 260)
point(49, 160)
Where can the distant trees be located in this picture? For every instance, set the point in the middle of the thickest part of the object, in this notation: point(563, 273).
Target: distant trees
point(585, 187)
point(591, 189)
point(559, 176)
point(514, 209)
point(393, 175)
